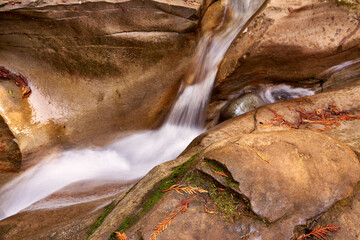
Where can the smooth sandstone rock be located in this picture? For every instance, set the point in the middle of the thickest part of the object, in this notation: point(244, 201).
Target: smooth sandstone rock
point(307, 172)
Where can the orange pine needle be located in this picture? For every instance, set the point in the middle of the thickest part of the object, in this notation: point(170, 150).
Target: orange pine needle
point(164, 224)
point(324, 122)
point(121, 236)
point(221, 173)
point(330, 117)
point(217, 172)
point(187, 189)
point(320, 232)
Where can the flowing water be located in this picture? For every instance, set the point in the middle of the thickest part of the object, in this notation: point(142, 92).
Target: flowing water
point(282, 92)
point(252, 97)
point(344, 74)
point(132, 157)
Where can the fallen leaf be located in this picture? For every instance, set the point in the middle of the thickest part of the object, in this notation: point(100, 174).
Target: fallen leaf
point(11, 93)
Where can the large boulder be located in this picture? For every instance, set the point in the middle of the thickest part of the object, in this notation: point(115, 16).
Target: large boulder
point(282, 173)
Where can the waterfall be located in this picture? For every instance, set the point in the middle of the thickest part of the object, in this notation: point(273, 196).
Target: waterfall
point(190, 106)
point(132, 157)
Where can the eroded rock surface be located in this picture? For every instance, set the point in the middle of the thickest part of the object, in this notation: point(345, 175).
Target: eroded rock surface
point(94, 68)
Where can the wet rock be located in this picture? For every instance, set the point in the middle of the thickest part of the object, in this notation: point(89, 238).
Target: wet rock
point(213, 113)
point(346, 74)
point(213, 17)
point(69, 222)
point(242, 105)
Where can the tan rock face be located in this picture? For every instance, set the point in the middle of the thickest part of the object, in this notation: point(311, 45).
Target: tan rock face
point(290, 45)
point(94, 68)
point(289, 173)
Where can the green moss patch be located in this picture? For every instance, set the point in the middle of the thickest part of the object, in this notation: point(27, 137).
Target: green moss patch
point(230, 204)
point(100, 220)
point(153, 196)
point(229, 181)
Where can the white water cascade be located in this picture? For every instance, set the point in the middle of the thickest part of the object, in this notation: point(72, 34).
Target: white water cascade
point(132, 157)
